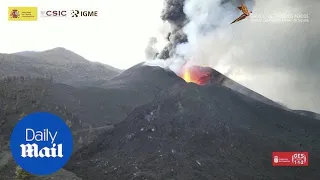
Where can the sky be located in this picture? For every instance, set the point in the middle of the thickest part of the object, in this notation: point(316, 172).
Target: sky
point(118, 36)
point(278, 60)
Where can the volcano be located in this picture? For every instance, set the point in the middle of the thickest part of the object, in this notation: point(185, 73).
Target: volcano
point(206, 75)
point(150, 123)
point(216, 130)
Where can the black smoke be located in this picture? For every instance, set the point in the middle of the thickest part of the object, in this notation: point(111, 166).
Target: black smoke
point(284, 56)
point(173, 13)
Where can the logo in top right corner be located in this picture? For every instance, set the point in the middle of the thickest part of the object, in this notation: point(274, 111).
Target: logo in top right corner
point(290, 159)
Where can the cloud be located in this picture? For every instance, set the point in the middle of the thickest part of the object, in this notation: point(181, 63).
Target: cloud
point(280, 59)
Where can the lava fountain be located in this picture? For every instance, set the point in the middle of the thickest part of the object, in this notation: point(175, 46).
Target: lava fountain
point(196, 74)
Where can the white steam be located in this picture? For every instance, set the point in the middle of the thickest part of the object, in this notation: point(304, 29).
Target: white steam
point(277, 59)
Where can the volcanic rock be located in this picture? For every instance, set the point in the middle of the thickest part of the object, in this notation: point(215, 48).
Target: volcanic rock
point(200, 132)
point(60, 64)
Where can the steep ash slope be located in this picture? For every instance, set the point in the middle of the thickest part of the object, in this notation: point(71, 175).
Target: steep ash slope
point(208, 132)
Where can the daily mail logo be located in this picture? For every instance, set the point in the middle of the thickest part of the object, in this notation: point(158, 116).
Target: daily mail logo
point(41, 143)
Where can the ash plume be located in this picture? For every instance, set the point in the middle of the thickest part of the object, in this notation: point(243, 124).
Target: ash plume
point(151, 51)
point(278, 59)
point(191, 22)
point(173, 13)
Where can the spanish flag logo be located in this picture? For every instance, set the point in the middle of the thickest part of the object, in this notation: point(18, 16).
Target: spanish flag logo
point(22, 13)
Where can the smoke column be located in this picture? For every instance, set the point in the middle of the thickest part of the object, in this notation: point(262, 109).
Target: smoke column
point(194, 26)
point(278, 59)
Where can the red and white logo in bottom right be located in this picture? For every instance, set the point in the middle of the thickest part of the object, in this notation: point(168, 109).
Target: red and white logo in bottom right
point(290, 159)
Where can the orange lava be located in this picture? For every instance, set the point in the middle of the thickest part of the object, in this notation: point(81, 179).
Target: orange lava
point(196, 74)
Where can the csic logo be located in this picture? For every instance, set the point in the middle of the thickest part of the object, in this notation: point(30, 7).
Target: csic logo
point(41, 143)
point(54, 13)
point(78, 13)
point(14, 13)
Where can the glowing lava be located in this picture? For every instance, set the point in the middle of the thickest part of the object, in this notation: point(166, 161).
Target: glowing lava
point(196, 74)
point(187, 76)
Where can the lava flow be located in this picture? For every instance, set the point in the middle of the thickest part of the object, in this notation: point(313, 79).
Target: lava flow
point(196, 74)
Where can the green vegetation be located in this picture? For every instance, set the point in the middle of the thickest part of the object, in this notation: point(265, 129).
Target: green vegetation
point(22, 174)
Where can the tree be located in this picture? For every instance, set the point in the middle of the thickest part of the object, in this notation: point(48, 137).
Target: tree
point(80, 141)
point(5, 109)
point(9, 79)
point(22, 174)
point(22, 79)
point(69, 123)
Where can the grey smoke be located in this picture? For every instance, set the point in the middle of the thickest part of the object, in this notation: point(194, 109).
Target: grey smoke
point(173, 13)
point(279, 60)
point(151, 51)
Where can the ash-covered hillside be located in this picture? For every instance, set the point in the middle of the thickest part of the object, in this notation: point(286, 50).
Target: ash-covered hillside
point(88, 110)
point(92, 107)
point(148, 122)
point(60, 64)
point(218, 78)
point(201, 132)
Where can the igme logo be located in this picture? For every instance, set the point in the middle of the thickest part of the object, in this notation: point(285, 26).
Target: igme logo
point(41, 143)
point(78, 13)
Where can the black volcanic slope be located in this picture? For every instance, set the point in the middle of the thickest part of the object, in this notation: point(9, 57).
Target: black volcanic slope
point(200, 132)
point(90, 110)
point(164, 127)
point(61, 64)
